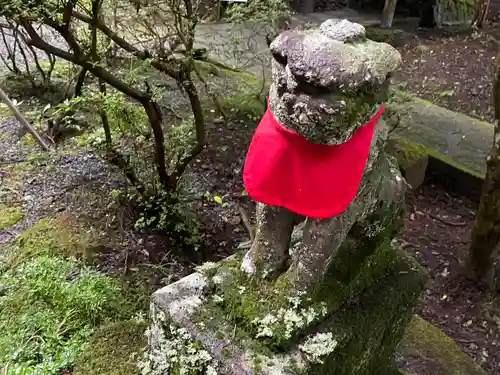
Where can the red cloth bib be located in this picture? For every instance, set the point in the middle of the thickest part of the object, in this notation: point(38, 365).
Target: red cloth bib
point(283, 169)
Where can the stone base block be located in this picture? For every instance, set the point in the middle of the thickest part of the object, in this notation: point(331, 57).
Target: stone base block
point(359, 336)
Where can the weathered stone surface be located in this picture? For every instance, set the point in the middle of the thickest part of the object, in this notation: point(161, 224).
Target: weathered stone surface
point(337, 56)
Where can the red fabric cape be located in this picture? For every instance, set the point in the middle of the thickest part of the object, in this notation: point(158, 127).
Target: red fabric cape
point(283, 169)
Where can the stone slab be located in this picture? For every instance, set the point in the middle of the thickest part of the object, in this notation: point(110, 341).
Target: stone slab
point(464, 139)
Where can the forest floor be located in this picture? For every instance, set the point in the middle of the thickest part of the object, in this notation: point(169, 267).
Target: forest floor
point(451, 69)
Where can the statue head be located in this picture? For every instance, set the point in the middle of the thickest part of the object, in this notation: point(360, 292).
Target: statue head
point(329, 81)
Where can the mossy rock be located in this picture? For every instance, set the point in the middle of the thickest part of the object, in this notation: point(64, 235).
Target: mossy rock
point(430, 348)
point(394, 37)
point(114, 350)
point(246, 96)
point(56, 236)
point(10, 216)
point(406, 153)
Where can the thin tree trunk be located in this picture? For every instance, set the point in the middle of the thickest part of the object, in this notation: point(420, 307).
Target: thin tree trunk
point(388, 14)
point(155, 119)
point(486, 231)
point(305, 6)
point(79, 83)
point(104, 116)
point(427, 19)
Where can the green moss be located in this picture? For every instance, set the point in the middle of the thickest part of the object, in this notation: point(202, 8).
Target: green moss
point(406, 153)
point(367, 328)
point(50, 306)
point(5, 112)
point(28, 141)
point(428, 343)
point(59, 236)
point(395, 37)
point(392, 36)
point(10, 216)
point(244, 96)
point(113, 350)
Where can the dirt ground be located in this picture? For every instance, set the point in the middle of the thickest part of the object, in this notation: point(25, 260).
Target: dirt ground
point(437, 232)
point(454, 70)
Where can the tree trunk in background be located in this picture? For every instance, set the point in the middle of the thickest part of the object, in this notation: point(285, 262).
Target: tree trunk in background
point(305, 6)
point(388, 14)
point(427, 19)
point(486, 231)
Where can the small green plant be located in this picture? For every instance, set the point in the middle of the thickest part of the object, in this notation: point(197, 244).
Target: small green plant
point(217, 199)
point(245, 102)
point(163, 210)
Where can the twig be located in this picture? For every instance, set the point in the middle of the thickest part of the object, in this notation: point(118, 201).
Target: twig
point(22, 120)
point(246, 221)
point(459, 224)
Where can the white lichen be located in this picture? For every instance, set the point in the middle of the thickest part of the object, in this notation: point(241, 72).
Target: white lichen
point(206, 267)
point(288, 320)
point(217, 299)
point(318, 346)
point(175, 351)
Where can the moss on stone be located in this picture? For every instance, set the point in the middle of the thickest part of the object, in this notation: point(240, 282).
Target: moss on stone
point(58, 236)
point(244, 97)
point(10, 216)
point(113, 350)
point(393, 36)
point(350, 275)
point(427, 343)
point(367, 326)
point(448, 160)
point(406, 153)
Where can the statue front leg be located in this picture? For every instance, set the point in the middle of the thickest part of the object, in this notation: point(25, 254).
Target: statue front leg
point(320, 242)
point(269, 251)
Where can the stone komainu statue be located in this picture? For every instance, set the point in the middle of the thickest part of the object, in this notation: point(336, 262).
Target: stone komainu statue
point(334, 294)
point(317, 157)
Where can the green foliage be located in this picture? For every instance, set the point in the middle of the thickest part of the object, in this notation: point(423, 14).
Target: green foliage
point(5, 112)
point(113, 349)
point(163, 210)
point(260, 12)
point(10, 216)
point(180, 140)
point(50, 307)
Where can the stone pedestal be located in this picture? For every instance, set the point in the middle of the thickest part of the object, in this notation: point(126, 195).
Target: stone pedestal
point(351, 326)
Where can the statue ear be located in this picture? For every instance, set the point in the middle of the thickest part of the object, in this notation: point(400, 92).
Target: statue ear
point(270, 37)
